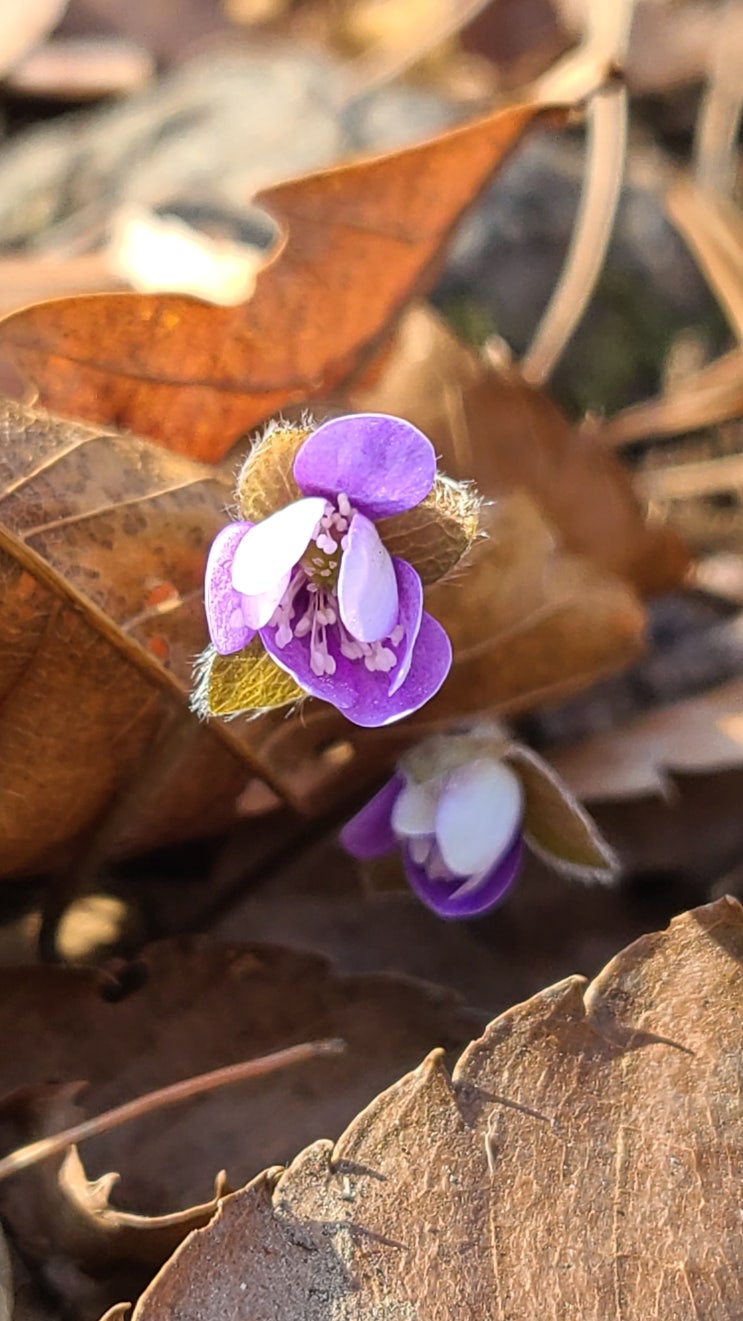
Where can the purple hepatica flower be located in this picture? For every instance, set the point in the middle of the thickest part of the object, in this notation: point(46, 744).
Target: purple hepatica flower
point(460, 834)
point(332, 606)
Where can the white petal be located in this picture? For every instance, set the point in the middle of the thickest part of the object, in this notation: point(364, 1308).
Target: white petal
point(257, 610)
point(414, 812)
point(477, 815)
point(270, 549)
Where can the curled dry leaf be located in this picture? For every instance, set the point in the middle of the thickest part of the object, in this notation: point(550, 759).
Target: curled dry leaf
point(583, 1159)
point(700, 734)
point(198, 1005)
point(358, 242)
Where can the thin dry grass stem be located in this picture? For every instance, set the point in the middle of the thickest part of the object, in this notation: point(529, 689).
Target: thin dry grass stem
point(608, 24)
point(712, 395)
point(175, 1094)
point(712, 227)
point(714, 153)
point(606, 145)
point(686, 480)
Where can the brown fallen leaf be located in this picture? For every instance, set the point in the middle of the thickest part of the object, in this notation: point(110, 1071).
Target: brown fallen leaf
point(583, 1159)
point(358, 242)
point(193, 1005)
point(700, 734)
point(489, 425)
point(102, 546)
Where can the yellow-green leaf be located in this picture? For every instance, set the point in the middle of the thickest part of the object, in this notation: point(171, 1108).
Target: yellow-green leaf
point(266, 482)
point(435, 535)
point(249, 680)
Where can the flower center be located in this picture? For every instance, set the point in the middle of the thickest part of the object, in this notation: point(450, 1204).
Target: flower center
point(314, 586)
point(322, 559)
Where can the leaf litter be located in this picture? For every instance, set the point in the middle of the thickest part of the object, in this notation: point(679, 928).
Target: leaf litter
point(576, 1154)
point(439, 1179)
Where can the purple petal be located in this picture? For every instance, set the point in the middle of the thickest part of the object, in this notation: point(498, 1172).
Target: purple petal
point(228, 629)
point(430, 664)
point(369, 833)
point(274, 546)
point(383, 464)
point(448, 900)
point(340, 688)
point(410, 613)
point(361, 695)
point(367, 585)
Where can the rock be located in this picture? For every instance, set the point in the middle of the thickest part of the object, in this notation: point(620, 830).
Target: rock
point(509, 251)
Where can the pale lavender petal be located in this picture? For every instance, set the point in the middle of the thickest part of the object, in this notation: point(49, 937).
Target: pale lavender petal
point(410, 613)
point(228, 628)
point(257, 610)
point(383, 464)
point(367, 585)
point(274, 546)
point(478, 812)
point(369, 833)
point(451, 901)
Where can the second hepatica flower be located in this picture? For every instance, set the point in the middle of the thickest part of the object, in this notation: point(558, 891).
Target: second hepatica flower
point(460, 809)
point(317, 585)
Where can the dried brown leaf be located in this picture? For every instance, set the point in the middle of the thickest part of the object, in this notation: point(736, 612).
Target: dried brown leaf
point(194, 1005)
point(358, 242)
point(492, 427)
point(584, 1158)
point(102, 546)
point(697, 735)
